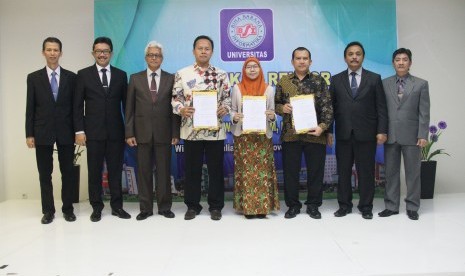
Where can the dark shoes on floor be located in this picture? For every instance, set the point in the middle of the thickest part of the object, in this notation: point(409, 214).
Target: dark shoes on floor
point(387, 213)
point(259, 216)
point(190, 214)
point(120, 213)
point(166, 213)
point(47, 218)
point(144, 215)
point(215, 214)
point(413, 215)
point(313, 212)
point(69, 216)
point(367, 214)
point(96, 216)
point(341, 212)
point(292, 213)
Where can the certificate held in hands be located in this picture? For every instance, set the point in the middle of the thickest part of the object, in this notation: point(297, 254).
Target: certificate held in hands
point(303, 113)
point(205, 104)
point(253, 108)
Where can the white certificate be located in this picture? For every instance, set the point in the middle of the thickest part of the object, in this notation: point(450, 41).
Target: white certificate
point(303, 113)
point(253, 108)
point(205, 105)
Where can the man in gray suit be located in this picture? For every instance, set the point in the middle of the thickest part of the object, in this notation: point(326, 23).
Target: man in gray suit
point(408, 105)
point(153, 128)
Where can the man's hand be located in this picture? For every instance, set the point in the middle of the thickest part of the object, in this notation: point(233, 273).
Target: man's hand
point(131, 141)
point(381, 138)
point(174, 141)
point(270, 115)
point(221, 111)
point(422, 143)
point(30, 142)
point(237, 117)
point(187, 112)
point(287, 108)
point(80, 139)
point(329, 139)
point(315, 131)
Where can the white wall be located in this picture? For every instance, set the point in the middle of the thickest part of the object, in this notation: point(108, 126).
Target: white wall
point(433, 30)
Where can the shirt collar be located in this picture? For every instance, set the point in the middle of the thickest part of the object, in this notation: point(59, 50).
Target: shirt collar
point(358, 71)
point(100, 67)
point(149, 72)
point(404, 78)
point(49, 71)
point(197, 68)
point(294, 75)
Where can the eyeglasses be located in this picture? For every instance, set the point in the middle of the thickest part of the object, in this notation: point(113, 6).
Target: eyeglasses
point(156, 56)
point(99, 52)
point(250, 67)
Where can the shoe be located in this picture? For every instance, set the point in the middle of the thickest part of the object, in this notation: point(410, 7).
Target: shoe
point(413, 215)
point(261, 216)
point(367, 214)
point(249, 216)
point(190, 214)
point(166, 213)
point(215, 214)
point(120, 213)
point(144, 215)
point(341, 212)
point(387, 213)
point(313, 212)
point(292, 213)
point(69, 216)
point(47, 218)
point(96, 216)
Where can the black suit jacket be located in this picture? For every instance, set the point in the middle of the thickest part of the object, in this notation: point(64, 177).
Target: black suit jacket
point(46, 120)
point(366, 114)
point(145, 119)
point(96, 112)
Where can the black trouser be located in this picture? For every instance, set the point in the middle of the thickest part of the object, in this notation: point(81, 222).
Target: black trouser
point(315, 156)
point(193, 156)
point(44, 158)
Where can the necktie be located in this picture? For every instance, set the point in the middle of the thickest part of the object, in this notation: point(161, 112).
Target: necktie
point(104, 79)
point(54, 85)
point(353, 84)
point(400, 90)
point(153, 87)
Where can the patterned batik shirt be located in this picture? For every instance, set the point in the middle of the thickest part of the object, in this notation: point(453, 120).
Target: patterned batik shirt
point(289, 86)
point(192, 78)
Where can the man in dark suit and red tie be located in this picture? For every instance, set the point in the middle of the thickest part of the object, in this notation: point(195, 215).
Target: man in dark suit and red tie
point(360, 115)
point(152, 127)
point(49, 121)
point(98, 122)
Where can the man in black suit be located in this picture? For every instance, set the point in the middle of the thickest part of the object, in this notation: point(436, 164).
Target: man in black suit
point(360, 114)
point(153, 128)
point(48, 121)
point(102, 88)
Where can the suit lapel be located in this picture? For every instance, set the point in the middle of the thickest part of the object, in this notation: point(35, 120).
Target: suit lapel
point(363, 82)
point(392, 86)
point(346, 82)
point(143, 80)
point(98, 81)
point(46, 83)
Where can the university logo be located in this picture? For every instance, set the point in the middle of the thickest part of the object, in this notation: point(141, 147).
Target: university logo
point(245, 33)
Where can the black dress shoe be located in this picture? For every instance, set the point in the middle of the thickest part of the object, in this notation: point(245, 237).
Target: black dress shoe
point(190, 214)
point(313, 212)
point(341, 212)
point(413, 215)
point(96, 216)
point(144, 215)
point(166, 213)
point(249, 216)
point(261, 216)
point(367, 214)
point(69, 216)
point(292, 213)
point(215, 214)
point(47, 218)
point(387, 213)
point(120, 213)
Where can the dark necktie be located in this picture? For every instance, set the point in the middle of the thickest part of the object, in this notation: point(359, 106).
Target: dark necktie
point(353, 84)
point(104, 79)
point(54, 85)
point(400, 88)
point(153, 87)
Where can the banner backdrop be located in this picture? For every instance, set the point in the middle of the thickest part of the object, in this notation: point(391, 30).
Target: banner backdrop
point(269, 30)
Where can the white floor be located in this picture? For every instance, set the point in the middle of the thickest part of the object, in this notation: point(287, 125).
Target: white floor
point(433, 245)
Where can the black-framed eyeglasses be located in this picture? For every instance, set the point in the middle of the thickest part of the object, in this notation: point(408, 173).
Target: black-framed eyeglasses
point(156, 56)
point(105, 52)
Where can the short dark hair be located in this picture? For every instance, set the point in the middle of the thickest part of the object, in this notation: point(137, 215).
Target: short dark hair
point(51, 39)
point(301, 49)
point(203, 37)
point(402, 51)
point(103, 39)
point(354, 43)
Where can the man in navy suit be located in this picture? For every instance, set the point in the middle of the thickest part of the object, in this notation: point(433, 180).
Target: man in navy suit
point(48, 121)
point(98, 123)
point(360, 115)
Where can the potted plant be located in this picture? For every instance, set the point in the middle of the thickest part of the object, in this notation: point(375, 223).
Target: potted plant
point(428, 166)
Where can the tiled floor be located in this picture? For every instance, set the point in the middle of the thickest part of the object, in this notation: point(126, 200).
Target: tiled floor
point(433, 245)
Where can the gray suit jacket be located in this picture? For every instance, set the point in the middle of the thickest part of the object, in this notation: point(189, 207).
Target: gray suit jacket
point(145, 119)
point(409, 117)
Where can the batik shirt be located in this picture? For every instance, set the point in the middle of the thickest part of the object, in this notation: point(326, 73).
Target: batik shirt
point(192, 78)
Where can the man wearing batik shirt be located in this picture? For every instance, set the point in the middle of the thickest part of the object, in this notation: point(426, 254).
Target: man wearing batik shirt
point(202, 76)
point(313, 143)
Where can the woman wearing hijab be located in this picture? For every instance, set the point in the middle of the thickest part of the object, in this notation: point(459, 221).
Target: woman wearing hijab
point(255, 189)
